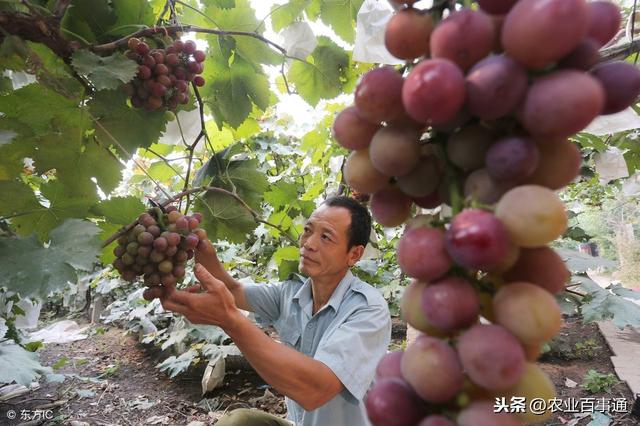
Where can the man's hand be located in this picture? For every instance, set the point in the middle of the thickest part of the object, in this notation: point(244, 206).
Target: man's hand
point(214, 306)
point(206, 255)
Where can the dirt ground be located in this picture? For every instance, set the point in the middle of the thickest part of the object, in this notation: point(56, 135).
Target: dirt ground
point(126, 388)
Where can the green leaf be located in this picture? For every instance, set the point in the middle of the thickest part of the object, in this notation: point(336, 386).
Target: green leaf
point(242, 18)
point(320, 77)
point(41, 219)
point(131, 14)
point(160, 171)
point(232, 90)
point(104, 72)
point(132, 128)
point(34, 270)
point(39, 108)
point(286, 253)
point(88, 19)
point(341, 17)
point(175, 366)
point(579, 262)
point(108, 229)
point(119, 210)
point(281, 194)
point(19, 365)
point(283, 15)
point(223, 4)
point(603, 305)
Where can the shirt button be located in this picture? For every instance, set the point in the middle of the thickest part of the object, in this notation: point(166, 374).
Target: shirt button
point(310, 325)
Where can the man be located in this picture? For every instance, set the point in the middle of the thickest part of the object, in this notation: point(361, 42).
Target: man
point(334, 327)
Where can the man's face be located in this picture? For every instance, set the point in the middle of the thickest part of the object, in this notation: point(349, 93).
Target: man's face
point(324, 242)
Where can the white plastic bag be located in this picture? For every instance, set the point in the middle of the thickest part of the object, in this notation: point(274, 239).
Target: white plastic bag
point(299, 40)
point(614, 123)
point(370, 24)
point(611, 165)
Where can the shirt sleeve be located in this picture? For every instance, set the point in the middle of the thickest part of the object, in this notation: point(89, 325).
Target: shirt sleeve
point(352, 351)
point(265, 301)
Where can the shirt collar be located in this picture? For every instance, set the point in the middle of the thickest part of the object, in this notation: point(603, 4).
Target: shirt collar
point(303, 295)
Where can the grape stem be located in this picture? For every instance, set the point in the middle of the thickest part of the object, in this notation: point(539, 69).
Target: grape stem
point(182, 194)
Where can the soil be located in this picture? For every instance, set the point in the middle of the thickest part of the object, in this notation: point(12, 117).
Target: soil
point(129, 390)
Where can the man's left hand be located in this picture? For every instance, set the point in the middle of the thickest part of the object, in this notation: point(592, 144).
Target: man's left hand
point(214, 306)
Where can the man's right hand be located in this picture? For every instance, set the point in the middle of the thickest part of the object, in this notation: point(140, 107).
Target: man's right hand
point(206, 255)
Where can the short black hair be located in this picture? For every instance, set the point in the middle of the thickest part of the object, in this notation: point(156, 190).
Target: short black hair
point(360, 228)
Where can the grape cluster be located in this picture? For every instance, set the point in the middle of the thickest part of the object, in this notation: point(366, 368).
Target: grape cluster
point(158, 248)
point(479, 119)
point(164, 74)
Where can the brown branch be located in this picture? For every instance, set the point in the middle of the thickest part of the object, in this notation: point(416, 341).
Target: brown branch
point(40, 29)
point(577, 293)
point(619, 51)
point(256, 216)
point(147, 32)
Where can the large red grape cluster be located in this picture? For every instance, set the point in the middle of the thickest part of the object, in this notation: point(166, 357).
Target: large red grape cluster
point(164, 74)
point(158, 247)
point(479, 119)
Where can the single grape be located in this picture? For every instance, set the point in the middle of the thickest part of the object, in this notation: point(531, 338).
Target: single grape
point(540, 266)
point(389, 365)
point(160, 244)
point(352, 131)
point(392, 402)
point(528, 311)
point(412, 310)
point(621, 83)
point(200, 233)
point(152, 279)
point(191, 241)
point(128, 259)
point(137, 230)
point(181, 256)
point(549, 109)
point(170, 251)
point(154, 230)
point(146, 220)
point(477, 239)
point(153, 103)
point(421, 252)
point(407, 34)
point(189, 47)
point(533, 384)
point(533, 215)
point(172, 59)
point(148, 61)
point(395, 151)
point(434, 91)
point(166, 266)
point(464, 37)
point(603, 21)
point(423, 179)
point(378, 96)
point(142, 260)
point(156, 256)
point(178, 271)
point(468, 147)
point(430, 201)
point(361, 175)
point(144, 251)
point(158, 56)
point(133, 43)
point(142, 48)
point(123, 240)
point(432, 368)
point(199, 56)
point(164, 80)
point(537, 34)
point(119, 250)
point(390, 207)
point(450, 304)
point(491, 356)
point(198, 81)
point(158, 90)
point(145, 239)
point(193, 223)
point(558, 165)
point(584, 57)
point(178, 46)
point(161, 69)
point(119, 265)
point(495, 86)
point(182, 223)
point(132, 248)
point(512, 159)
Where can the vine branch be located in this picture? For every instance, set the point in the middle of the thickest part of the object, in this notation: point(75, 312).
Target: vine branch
point(256, 216)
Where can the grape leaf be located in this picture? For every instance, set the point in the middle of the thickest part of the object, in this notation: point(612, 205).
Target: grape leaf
point(281, 194)
point(175, 366)
point(242, 18)
point(604, 305)
point(108, 229)
point(31, 269)
point(36, 107)
point(283, 15)
point(131, 15)
point(222, 4)
point(341, 17)
point(224, 217)
point(579, 262)
point(232, 89)
point(320, 77)
point(189, 12)
point(87, 21)
point(104, 72)
point(119, 210)
point(286, 253)
point(19, 364)
point(132, 128)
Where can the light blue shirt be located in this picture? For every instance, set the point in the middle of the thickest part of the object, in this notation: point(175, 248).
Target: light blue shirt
point(349, 334)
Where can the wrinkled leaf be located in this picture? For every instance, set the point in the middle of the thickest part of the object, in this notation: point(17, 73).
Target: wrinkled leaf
point(602, 304)
point(174, 366)
point(104, 72)
point(120, 210)
point(19, 365)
